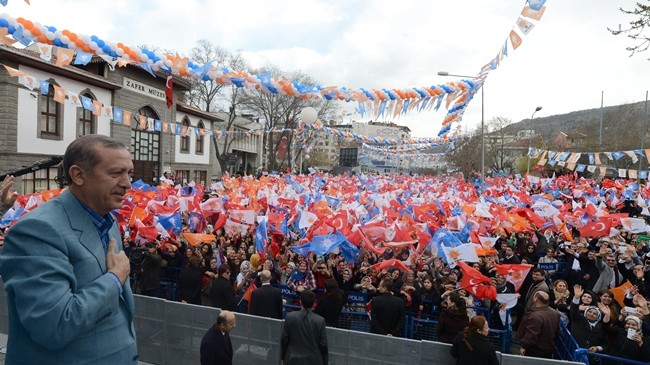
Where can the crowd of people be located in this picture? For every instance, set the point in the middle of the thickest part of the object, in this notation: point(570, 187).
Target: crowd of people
point(578, 284)
point(594, 284)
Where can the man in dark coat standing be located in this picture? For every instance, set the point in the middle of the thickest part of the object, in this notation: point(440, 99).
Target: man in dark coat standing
point(216, 347)
point(304, 337)
point(387, 311)
point(266, 301)
point(222, 294)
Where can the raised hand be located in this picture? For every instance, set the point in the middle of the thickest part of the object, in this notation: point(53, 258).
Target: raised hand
point(7, 196)
point(641, 301)
point(604, 309)
point(577, 291)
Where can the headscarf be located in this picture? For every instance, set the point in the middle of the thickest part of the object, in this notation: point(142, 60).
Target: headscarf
point(600, 315)
point(635, 319)
point(244, 266)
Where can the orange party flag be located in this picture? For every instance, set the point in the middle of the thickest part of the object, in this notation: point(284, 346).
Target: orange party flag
point(620, 291)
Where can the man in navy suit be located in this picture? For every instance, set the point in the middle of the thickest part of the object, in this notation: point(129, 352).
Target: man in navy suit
point(266, 301)
point(387, 311)
point(63, 271)
point(216, 347)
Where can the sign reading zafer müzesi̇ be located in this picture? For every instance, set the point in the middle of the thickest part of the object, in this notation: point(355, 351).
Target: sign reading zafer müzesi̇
point(143, 89)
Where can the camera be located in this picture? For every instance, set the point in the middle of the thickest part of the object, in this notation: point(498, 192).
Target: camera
point(136, 257)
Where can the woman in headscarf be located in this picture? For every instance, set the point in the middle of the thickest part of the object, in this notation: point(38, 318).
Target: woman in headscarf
point(243, 281)
point(629, 341)
point(587, 298)
point(472, 346)
point(586, 325)
point(302, 278)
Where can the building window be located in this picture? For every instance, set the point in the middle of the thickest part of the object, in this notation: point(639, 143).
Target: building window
point(40, 180)
point(200, 177)
point(185, 140)
point(182, 176)
point(86, 120)
point(200, 138)
point(50, 116)
point(145, 149)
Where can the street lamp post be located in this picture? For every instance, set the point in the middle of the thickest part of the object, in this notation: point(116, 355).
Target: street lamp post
point(530, 138)
point(445, 73)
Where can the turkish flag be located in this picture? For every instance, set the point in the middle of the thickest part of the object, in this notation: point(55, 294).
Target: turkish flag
point(221, 221)
point(375, 232)
point(339, 221)
point(476, 283)
point(169, 91)
point(248, 292)
point(599, 228)
point(148, 232)
point(390, 263)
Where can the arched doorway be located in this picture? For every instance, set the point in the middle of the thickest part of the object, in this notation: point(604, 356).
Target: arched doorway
point(145, 147)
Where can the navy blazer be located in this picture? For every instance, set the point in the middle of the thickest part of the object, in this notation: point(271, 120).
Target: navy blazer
point(266, 301)
point(214, 348)
point(63, 306)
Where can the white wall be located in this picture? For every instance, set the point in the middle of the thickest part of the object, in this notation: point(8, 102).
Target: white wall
point(192, 157)
point(28, 115)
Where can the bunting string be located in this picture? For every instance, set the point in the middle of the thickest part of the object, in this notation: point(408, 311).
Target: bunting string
point(384, 102)
point(303, 133)
point(592, 161)
point(530, 15)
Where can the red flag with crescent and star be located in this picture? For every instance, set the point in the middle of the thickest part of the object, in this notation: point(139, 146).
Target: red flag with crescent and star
point(599, 228)
point(476, 283)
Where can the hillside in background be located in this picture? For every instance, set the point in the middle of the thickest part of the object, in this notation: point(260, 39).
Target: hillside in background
point(621, 127)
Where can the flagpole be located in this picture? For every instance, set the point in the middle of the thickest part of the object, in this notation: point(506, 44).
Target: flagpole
point(162, 150)
point(643, 133)
point(600, 135)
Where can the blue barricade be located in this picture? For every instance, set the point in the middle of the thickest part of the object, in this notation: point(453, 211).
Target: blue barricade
point(584, 356)
point(565, 344)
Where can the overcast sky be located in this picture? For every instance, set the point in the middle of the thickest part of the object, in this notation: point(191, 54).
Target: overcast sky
point(563, 64)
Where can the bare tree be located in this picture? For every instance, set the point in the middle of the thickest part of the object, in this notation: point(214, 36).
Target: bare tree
point(205, 93)
point(497, 156)
point(222, 143)
point(466, 154)
point(636, 28)
point(316, 158)
point(209, 95)
point(281, 112)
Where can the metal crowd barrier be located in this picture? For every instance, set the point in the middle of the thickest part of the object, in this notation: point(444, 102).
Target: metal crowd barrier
point(170, 333)
point(565, 344)
point(586, 357)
